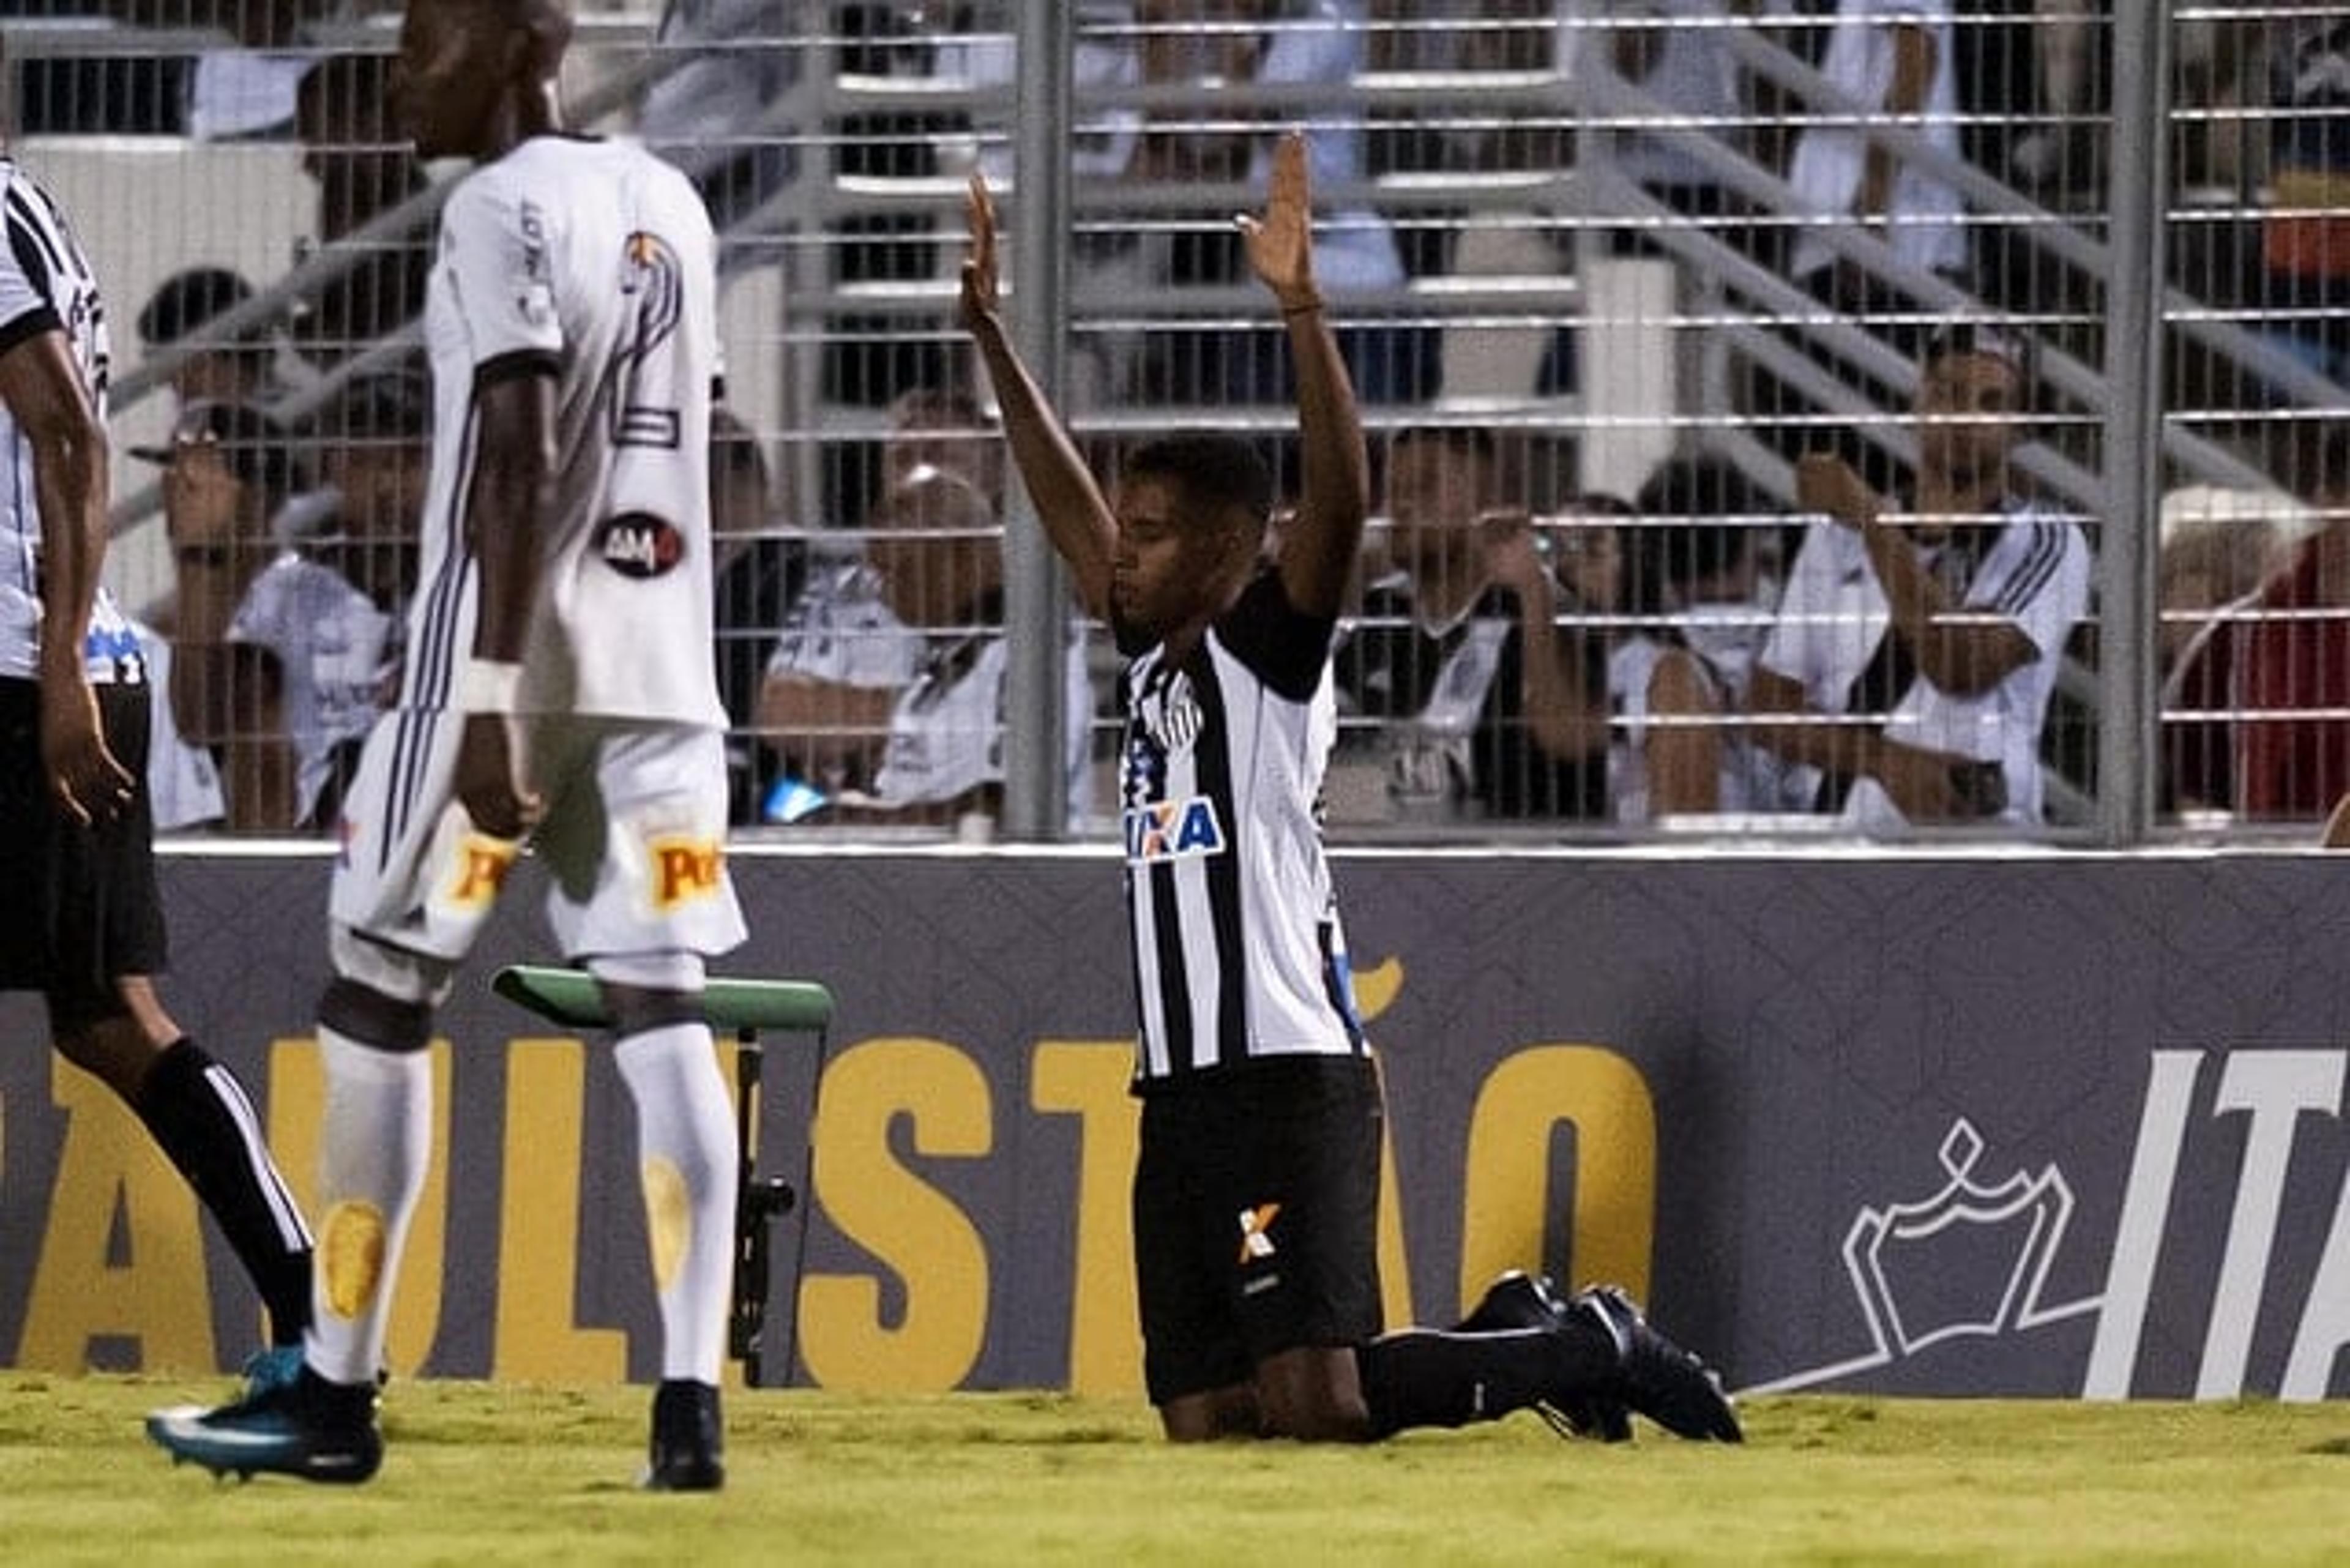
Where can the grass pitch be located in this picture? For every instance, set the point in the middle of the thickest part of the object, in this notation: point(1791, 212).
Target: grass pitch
point(479, 1473)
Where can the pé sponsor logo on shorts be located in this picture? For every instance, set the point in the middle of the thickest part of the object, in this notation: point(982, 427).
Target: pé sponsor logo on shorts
point(683, 868)
point(482, 863)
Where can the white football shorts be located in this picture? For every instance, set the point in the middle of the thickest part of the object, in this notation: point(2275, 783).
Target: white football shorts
point(633, 841)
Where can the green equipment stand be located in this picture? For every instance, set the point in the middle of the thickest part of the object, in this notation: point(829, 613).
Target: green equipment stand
point(744, 1008)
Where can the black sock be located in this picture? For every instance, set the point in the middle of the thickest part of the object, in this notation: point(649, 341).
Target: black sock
point(1429, 1377)
point(198, 1114)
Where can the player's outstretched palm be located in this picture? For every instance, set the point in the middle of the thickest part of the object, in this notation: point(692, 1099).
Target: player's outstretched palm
point(981, 282)
point(1280, 243)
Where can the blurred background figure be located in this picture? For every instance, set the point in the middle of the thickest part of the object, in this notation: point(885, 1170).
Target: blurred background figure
point(247, 90)
point(2218, 554)
point(364, 167)
point(1488, 688)
point(2292, 668)
point(1702, 605)
point(373, 446)
point(761, 571)
point(1309, 44)
point(935, 667)
point(278, 664)
point(1917, 645)
point(239, 369)
point(724, 64)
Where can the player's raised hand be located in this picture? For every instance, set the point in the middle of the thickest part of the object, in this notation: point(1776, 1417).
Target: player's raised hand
point(1826, 483)
point(981, 282)
point(1512, 552)
point(1280, 243)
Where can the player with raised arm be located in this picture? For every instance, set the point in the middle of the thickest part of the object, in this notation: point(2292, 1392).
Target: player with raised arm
point(559, 684)
point(1256, 1187)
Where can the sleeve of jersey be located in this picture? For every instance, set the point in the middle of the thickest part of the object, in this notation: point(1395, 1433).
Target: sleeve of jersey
point(1286, 647)
point(25, 307)
point(2045, 589)
point(495, 240)
point(1811, 582)
point(265, 613)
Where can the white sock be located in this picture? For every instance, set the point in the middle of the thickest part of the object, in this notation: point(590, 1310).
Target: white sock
point(686, 1159)
point(373, 1155)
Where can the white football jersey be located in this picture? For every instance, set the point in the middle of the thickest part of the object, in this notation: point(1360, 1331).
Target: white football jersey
point(332, 645)
point(593, 259)
point(46, 285)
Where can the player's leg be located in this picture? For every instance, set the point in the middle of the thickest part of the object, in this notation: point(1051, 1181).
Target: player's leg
point(1310, 1286)
point(1583, 1364)
point(687, 1167)
point(409, 894)
point(375, 1147)
point(199, 1116)
point(1195, 1366)
point(639, 893)
point(91, 895)
point(1518, 1300)
point(1302, 1258)
point(374, 1025)
point(412, 890)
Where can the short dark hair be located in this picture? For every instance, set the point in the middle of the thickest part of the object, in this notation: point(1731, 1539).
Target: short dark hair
point(379, 406)
point(1475, 440)
point(1992, 340)
point(185, 301)
point(1211, 471)
point(1722, 515)
point(937, 407)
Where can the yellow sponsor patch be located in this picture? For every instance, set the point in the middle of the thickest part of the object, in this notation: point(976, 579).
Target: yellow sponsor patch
point(669, 1219)
point(350, 1256)
point(682, 869)
point(482, 865)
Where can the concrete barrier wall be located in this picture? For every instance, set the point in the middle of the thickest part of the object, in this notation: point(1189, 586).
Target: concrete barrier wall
point(2055, 1125)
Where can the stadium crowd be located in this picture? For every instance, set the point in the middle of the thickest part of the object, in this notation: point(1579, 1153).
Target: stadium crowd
point(1554, 624)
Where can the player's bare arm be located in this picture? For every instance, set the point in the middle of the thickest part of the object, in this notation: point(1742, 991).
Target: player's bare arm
point(1961, 651)
point(506, 511)
point(1076, 516)
point(1554, 687)
point(1783, 723)
point(1318, 548)
point(44, 395)
point(825, 726)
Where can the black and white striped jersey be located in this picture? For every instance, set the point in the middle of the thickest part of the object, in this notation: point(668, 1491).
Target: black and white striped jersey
point(47, 285)
point(1237, 949)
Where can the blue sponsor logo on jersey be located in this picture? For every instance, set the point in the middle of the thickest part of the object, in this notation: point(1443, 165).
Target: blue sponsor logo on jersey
point(1172, 830)
point(112, 652)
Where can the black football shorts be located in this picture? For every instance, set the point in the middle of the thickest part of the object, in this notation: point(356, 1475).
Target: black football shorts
point(1256, 1199)
point(80, 907)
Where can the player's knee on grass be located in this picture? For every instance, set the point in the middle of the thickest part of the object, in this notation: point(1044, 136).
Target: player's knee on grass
point(1313, 1395)
point(1217, 1414)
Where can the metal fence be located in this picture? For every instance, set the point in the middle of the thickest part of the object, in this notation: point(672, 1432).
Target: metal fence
point(1619, 267)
